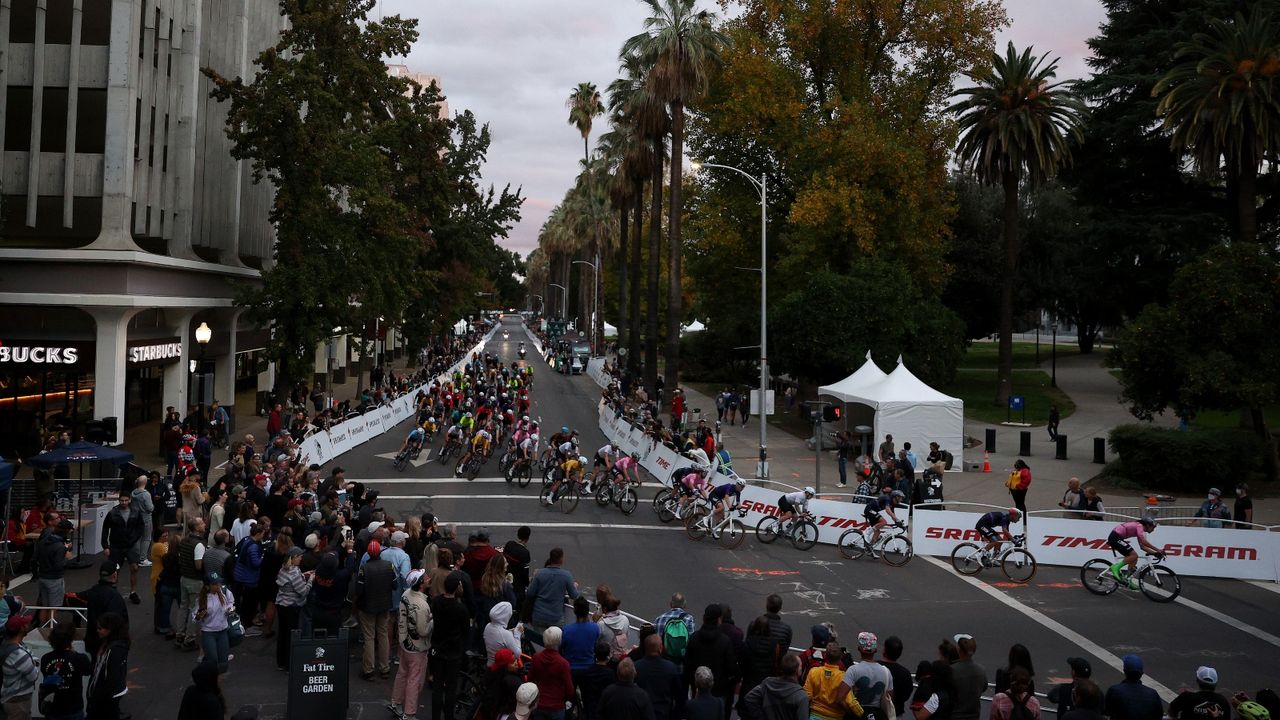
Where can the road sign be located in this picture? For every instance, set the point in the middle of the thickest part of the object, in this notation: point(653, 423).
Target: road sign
point(318, 676)
point(1017, 402)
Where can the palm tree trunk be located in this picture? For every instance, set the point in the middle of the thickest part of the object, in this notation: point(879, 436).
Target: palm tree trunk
point(624, 272)
point(655, 238)
point(1012, 246)
point(566, 263)
point(671, 376)
point(633, 359)
point(1247, 203)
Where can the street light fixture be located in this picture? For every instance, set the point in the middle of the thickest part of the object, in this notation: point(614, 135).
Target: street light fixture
point(595, 301)
point(203, 336)
point(762, 186)
point(564, 304)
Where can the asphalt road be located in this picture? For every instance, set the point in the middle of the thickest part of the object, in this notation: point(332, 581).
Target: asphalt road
point(1230, 625)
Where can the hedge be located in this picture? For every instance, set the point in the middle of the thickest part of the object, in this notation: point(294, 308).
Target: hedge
point(1188, 462)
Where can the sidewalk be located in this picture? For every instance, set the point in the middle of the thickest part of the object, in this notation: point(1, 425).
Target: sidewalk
point(791, 463)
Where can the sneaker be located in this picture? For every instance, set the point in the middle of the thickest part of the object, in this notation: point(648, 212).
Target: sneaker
point(133, 598)
point(1133, 584)
point(145, 563)
point(395, 709)
point(230, 657)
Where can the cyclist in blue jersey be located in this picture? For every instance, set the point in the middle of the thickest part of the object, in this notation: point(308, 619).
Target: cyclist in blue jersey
point(719, 497)
point(413, 443)
point(878, 507)
point(988, 523)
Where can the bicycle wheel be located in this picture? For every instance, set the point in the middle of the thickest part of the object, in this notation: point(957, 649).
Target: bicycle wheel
point(443, 457)
point(732, 534)
point(768, 529)
point(467, 698)
point(695, 524)
point(1159, 583)
point(851, 544)
point(569, 497)
point(966, 558)
point(524, 475)
point(401, 461)
point(896, 550)
point(628, 501)
point(473, 468)
point(505, 461)
point(1096, 577)
point(603, 494)
point(804, 535)
point(544, 497)
point(1018, 565)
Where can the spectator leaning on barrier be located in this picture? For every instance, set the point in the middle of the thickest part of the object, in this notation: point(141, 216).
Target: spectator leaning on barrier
point(1213, 510)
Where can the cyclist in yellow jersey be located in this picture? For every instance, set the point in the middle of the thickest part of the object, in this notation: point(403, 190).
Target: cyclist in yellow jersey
point(479, 444)
point(571, 468)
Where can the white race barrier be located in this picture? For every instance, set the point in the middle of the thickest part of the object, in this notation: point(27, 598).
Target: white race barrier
point(1192, 551)
point(322, 447)
point(595, 371)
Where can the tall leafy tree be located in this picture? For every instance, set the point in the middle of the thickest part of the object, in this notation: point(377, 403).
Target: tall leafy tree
point(1015, 126)
point(681, 47)
point(1221, 101)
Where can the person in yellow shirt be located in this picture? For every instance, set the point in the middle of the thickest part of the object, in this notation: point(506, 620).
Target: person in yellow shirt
point(822, 685)
point(164, 581)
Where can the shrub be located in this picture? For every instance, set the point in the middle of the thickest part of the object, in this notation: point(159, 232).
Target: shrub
point(1162, 459)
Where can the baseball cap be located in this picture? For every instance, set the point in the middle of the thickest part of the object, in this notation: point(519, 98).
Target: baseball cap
point(17, 622)
point(867, 642)
point(526, 699)
point(1080, 666)
point(375, 525)
point(1132, 663)
point(399, 536)
point(312, 541)
point(295, 551)
point(1207, 675)
point(213, 578)
point(295, 503)
point(503, 658)
point(107, 569)
point(374, 549)
point(821, 635)
point(415, 576)
point(1215, 491)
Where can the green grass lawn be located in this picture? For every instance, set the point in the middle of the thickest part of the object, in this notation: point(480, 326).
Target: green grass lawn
point(984, 355)
point(977, 389)
point(1231, 418)
point(782, 420)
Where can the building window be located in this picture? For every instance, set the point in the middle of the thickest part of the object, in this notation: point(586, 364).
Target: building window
point(17, 122)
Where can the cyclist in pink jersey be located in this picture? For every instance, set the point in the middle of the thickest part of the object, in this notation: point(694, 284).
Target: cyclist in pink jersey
point(1129, 557)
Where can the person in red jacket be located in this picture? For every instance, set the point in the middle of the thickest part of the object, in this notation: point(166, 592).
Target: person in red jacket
point(1018, 490)
point(274, 421)
point(550, 672)
point(677, 410)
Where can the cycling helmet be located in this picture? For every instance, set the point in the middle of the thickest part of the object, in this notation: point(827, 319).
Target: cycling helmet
point(898, 495)
point(810, 492)
point(188, 439)
point(1148, 522)
point(575, 432)
point(1014, 513)
point(1252, 710)
point(468, 415)
point(582, 459)
point(534, 437)
point(740, 482)
point(524, 418)
point(432, 419)
point(635, 456)
point(564, 429)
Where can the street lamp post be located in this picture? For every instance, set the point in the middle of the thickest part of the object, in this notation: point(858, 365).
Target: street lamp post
point(564, 304)
point(203, 336)
point(761, 185)
point(595, 300)
point(1053, 379)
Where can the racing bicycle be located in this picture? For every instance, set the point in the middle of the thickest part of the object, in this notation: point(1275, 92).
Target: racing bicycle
point(802, 531)
point(893, 546)
point(622, 494)
point(1155, 579)
point(667, 505)
point(729, 531)
point(568, 495)
point(521, 472)
point(402, 459)
point(1012, 557)
point(449, 449)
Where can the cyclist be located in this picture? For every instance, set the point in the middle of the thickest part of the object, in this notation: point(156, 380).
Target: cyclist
point(623, 465)
point(878, 508)
point(467, 422)
point(568, 470)
point(1116, 540)
point(987, 525)
point(793, 503)
point(603, 463)
point(479, 444)
point(413, 443)
point(719, 497)
point(569, 448)
point(430, 427)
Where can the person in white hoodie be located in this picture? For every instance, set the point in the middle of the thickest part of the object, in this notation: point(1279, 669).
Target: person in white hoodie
point(615, 628)
point(497, 635)
point(414, 627)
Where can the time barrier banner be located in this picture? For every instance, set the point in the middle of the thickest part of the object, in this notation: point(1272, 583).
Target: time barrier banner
point(322, 447)
point(1198, 551)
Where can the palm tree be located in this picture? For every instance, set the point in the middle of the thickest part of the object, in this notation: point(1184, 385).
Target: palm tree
point(584, 107)
point(613, 148)
point(1222, 100)
point(681, 48)
point(1014, 125)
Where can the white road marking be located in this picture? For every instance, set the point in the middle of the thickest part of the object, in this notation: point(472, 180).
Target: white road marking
point(1225, 618)
point(1093, 648)
point(457, 497)
point(562, 525)
point(1266, 585)
point(417, 463)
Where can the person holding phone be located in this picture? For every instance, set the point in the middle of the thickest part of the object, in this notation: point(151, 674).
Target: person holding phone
point(293, 588)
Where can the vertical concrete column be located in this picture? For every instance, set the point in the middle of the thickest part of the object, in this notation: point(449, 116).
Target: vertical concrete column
point(37, 112)
point(340, 359)
point(108, 366)
point(224, 364)
point(177, 376)
point(122, 115)
point(183, 151)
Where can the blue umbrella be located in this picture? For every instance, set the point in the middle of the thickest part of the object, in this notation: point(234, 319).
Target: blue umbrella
point(81, 452)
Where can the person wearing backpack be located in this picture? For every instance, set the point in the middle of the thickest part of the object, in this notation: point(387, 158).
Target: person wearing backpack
point(1019, 703)
point(674, 639)
point(246, 573)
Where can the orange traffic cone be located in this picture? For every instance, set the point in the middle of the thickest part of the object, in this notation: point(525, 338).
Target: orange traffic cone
point(986, 461)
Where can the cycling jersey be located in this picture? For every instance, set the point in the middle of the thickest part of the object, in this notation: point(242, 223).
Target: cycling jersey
point(1131, 529)
point(994, 518)
point(566, 448)
point(877, 505)
point(482, 438)
point(528, 446)
point(793, 502)
point(623, 464)
point(467, 423)
point(602, 456)
point(570, 466)
point(606, 450)
point(416, 435)
point(720, 492)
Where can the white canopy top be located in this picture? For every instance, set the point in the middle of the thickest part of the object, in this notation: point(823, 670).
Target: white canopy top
point(901, 386)
point(854, 387)
point(693, 327)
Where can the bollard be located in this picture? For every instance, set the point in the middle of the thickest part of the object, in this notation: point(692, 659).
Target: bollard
point(1024, 443)
point(991, 440)
point(1100, 451)
point(1062, 448)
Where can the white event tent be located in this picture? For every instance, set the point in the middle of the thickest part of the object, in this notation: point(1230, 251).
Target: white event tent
point(903, 406)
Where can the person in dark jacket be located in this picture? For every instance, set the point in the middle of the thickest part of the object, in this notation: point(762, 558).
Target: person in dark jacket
point(100, 600)
point(500, 684)
point(761, 650)
point(203, 699)
point(52, 555)
point(247, 574)
point(374, 585)
point(329, 592)
point(593, 681)
point(1063, 693)
point(711, 648)
point(779, 630)
point(660, 678)
point(64, 671)
point(108, 683)
point(121, 532)
point(780, 697)
point(624, 700)
point(448, 645)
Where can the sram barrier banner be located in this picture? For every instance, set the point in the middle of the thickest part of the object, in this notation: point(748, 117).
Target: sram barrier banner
point(595, 371)
point(1206, 552)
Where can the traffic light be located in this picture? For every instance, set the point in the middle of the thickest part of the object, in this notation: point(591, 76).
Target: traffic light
point(831, 413)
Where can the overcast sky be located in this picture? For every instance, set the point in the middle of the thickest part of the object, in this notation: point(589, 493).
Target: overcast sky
point(514, 62)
